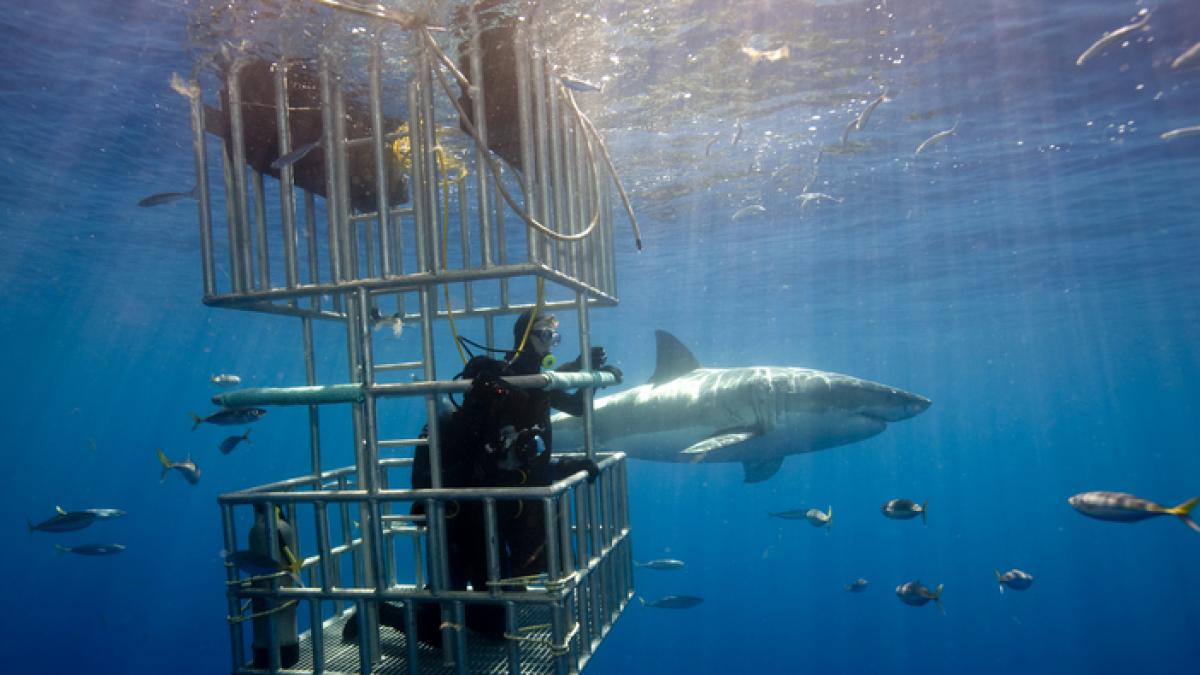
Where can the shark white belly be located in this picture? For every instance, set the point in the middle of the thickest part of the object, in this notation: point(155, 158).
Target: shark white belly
point(755, 416)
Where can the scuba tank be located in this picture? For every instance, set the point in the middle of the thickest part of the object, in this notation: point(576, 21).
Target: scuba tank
point(286, 634)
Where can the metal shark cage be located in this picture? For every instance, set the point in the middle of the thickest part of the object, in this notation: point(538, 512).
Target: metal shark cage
point(465, 241)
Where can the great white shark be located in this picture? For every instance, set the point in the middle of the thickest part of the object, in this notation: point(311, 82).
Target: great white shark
point(755, 416)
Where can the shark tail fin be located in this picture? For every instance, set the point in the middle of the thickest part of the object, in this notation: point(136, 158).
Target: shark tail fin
point(999, 581)
point(924, 510)
point(937, 597)
point(1184, 511)
point(196, 420)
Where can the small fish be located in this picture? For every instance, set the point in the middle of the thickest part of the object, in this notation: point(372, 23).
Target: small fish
point(747, 211)
point(576, 84)
point(767, 55)
point(257, 564)
point(1186, 56)
point(794, 514)
point(226, 380)
point(936, 138)
point(64, 521)
point(904, 509)
point(232, 442)
point(91, 549)
point(915, 594)
point(861, 122)
point(818, 518)
point(662, 564)
point(1123, 507)
point(737, 134)
point(673, 602)
point(105, 514)
point(805, 197)
point(297, 154)
point(168, 197)
point(857, 586)
point(1015, 579)
point(1183, 131)
point(186, 468)
point(229, 417)
point(1111, 37)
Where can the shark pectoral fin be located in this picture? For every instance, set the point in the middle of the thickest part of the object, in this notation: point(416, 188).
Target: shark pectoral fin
point(761, 469)
point(700, 450)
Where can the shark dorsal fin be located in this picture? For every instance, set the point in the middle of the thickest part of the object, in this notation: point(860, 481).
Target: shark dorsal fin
point(673, 359)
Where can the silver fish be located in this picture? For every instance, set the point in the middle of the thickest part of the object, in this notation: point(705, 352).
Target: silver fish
point(866, 112)
point(914, 593)
point(186, 468)
point(818, 518)
point(747, 211)
point(737, 134)
point(232, 442)
point(661, 564)
point(673, 602)
point(226, 380)
point(1111, 37)
point(105, 514)
point(1123, 507)
point(1183, 131)
point(229, 417)
point(91, 549)
point(936, 138)
point(168, 197)
point(1186, 56)
point(904, 509)
point(857, 586)
point(1016, 579)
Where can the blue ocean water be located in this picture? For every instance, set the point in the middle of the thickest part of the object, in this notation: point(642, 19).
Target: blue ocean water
point(1034, 275)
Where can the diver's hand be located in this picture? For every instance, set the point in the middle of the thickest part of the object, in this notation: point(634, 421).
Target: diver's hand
point(615, 371)
point(599, 358)
point(574, 465)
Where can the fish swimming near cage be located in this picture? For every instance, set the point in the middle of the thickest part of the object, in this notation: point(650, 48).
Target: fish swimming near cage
point(1018, 580)
point(229, 417)
point(754, 416)
point(857, 586)
point(232, 442)
point(663, 564)
point(64, 521)
point(187, 468)
point(915, 594)
point(672, 602)
point(1123, 507)
point(260, 132)
point(905, 509)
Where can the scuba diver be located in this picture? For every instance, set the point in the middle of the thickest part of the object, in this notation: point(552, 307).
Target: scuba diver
point(499, 436)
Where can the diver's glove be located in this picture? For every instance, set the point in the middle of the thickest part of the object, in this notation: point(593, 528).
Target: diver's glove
point(573, 465)
point(615, 371)
point(599, 358)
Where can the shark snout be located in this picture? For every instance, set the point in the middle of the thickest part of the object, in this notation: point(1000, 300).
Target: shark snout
point(907, 405)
